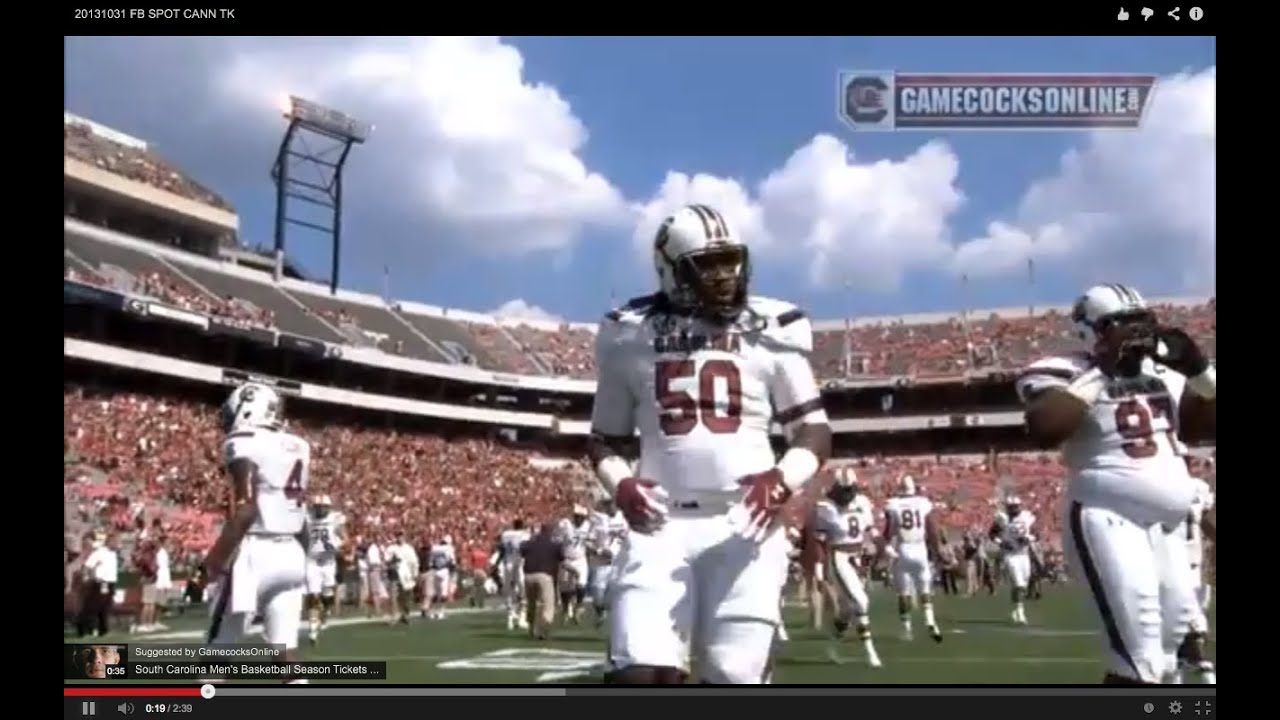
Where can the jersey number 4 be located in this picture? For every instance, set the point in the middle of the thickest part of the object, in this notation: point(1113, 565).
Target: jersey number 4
point(681, 411)
point(293, 486)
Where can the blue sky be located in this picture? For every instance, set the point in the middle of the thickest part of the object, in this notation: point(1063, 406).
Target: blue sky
point(535, 169)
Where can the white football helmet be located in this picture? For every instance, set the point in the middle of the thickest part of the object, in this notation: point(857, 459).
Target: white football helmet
point(845, 487)
point(251, 405)
point(906, 486)
point(702, 262)
point(1101, 304)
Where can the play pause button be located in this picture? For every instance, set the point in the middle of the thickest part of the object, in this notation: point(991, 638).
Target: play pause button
point(88, 707)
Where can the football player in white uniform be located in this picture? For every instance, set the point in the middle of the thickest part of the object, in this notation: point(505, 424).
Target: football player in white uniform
point(258, 561)
point(911, 539)
point(607, 530)
point(324, 541)
point(441, 561)
point(510, 565)
point(1182, 600)
point(1012, 529)
point(843, 520)
point(402, 565)
point(1117, 410)
point(574, 532)
point(702, 369)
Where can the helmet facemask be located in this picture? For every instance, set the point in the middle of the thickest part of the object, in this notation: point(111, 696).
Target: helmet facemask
point(1127, 338)
point(716, 278)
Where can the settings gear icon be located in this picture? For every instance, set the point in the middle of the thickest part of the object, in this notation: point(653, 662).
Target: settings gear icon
point(1175, 708)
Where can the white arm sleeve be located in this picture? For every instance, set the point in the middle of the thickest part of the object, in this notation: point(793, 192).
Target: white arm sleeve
point(1052, 372)
point(793, 388)
point(613, 412)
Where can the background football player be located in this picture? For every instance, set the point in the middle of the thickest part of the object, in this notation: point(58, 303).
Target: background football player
point(442, 561)
point(574, 533)
point(702, 369)
point(258, 561)
point(1117, 410)
point(510, 566)
point(402, 564)
point(1187, 626)
point(911, 539)
point(324, 542)
point(842, 520)
point(1012, 530)
point(608, 527)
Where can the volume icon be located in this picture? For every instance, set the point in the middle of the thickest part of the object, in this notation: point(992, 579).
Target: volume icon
point(125, 708)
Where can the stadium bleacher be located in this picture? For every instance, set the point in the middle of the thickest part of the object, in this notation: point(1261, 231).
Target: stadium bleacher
point(139, 459)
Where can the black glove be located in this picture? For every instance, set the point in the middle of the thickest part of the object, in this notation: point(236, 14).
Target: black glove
point(1181, 352)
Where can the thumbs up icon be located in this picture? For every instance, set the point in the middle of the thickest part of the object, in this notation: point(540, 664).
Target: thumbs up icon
point(1124, 15)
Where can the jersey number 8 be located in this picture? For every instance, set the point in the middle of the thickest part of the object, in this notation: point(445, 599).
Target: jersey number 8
point(681, 411)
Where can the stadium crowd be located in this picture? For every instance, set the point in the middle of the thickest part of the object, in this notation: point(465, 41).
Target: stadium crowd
point(151, 463)
point(924, 349)
point(137, 163)
point(147, 466)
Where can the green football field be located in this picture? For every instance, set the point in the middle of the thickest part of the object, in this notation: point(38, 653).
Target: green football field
point(981, 646)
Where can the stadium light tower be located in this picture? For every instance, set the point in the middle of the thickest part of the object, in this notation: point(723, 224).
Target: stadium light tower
point(338, 132)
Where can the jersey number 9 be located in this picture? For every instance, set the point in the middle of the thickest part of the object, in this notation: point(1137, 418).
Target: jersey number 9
point(1133, 423)
point(681, 411)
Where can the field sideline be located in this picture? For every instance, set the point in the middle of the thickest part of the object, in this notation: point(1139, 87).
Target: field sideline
point(981, 646)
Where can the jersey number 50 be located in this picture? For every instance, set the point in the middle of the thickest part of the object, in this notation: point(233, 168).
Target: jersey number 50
point(681, 411)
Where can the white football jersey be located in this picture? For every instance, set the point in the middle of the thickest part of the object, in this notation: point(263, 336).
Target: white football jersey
point(607, 532)
point(574, 538)
point(510, 541)
point(403, 560)
point(703, 396)
point(442, 556)
point(906, 516)
point(844, 526)
point(324, 536)
point(283, 463)
point(1126, 454)
point(1195, 536)
point(1015, 533)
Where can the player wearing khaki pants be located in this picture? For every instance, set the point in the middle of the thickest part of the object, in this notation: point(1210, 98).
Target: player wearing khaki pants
point(540, 589)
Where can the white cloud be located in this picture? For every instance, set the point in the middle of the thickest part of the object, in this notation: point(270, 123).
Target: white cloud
point(479, 148)
point(520, 309)
point(856, 222)
point(466, 153)
point(865, 223)
point(1125, 204)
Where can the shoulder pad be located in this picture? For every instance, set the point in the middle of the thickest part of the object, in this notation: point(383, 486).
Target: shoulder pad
point(238, 445)
point(1066, 367)
point(635, 308)
point(785, 323)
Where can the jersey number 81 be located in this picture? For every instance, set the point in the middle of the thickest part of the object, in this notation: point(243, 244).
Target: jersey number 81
point(681, 411)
